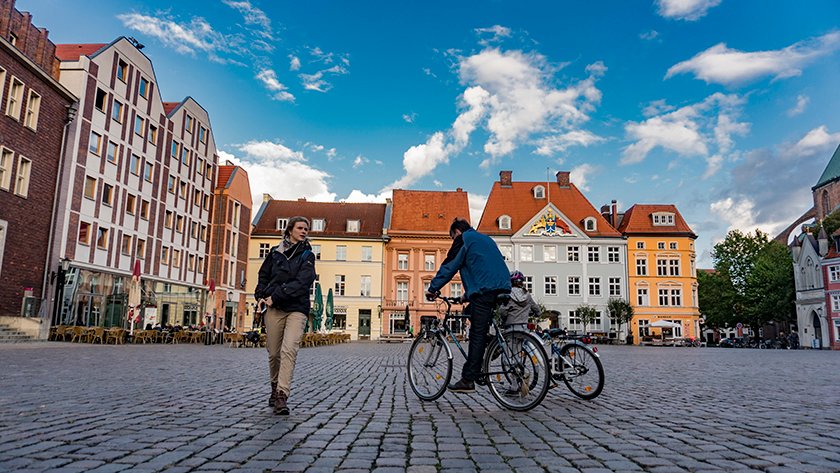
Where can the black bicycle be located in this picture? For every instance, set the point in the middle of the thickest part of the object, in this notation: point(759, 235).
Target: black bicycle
point(515, 366)
point(575, 363)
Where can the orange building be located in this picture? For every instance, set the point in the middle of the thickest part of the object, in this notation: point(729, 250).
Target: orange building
point(230, 231)
point(418, 242)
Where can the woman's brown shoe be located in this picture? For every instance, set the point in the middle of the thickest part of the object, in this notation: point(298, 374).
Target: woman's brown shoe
point(280, 406)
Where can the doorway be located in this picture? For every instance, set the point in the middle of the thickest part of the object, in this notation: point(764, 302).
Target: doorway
point(818, 342)
point(364, 323)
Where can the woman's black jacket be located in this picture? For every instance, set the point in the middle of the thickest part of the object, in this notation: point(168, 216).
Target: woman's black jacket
point(287, 277)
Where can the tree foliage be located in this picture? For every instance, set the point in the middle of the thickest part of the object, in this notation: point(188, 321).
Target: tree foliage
point(770, 287)
point(716, 294)
point(587, 314)
point(830, 223)
point(621, 311)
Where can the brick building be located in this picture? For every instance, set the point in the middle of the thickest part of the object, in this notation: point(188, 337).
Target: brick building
point(34, 109)
point(139, 187)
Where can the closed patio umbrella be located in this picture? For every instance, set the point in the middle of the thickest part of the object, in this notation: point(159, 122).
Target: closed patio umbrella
point(134, 296)
point(329, 308)
point(317, 304)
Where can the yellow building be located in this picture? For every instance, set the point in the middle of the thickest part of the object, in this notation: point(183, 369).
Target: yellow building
point(663, 275)
point(348, 242)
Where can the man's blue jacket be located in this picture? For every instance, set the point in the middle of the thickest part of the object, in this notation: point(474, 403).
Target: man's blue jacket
point(482, 266)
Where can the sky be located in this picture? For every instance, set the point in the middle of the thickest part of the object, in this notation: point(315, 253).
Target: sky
point(727, 109)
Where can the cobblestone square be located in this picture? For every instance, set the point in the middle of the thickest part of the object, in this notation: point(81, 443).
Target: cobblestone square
point(72, 407)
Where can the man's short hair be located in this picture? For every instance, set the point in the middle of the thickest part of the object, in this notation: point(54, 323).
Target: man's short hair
point(459, 224)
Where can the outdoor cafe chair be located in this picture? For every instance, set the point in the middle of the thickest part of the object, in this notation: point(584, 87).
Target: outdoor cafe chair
point(79, 334)
point(95, 334)
point(115, 334)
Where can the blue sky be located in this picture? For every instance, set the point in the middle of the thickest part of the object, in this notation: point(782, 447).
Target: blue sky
point(728, 109)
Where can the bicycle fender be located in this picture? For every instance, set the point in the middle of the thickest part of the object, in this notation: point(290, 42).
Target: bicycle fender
point(583, 345)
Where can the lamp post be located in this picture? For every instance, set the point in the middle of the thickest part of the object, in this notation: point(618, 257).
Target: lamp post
point(58, 302)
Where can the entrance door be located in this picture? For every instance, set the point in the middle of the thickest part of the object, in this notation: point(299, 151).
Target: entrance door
point(229, 309)
point(164, 315)
point(817, 330)
point(364, 323)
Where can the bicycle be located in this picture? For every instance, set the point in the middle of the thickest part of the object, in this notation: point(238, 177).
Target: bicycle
point(515, 366)
point(575, 364)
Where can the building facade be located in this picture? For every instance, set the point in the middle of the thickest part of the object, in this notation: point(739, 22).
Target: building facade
point(348, 242)
point(569, 253)
point(663, 273)
point(34, 112)
point(828, 326)
point(809, 269)
point(230, 232)
point(139, 185)
point(418, 240)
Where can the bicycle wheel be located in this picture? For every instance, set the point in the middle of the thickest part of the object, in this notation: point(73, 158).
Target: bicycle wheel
point(429, 366)
point(582, 372)
point(519, 381)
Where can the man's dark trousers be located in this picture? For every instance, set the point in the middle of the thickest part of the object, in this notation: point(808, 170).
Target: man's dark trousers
point(481, 306)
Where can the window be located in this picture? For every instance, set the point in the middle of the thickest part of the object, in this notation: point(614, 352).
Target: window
point(674, 267)
point(152, 134)
point(141, 248)
point(426, 285)
point(317, 250)
point(339, 284)
point(264, 250)
point(102, 238)
point(125, 245)
point(835, 302)
point(185, 156)
point(365, 286)
point(549, 253)
point(672, 245)
point(84, 233)
point(167, 222)
point(200, 268)
point(507, 252)
point(526, 253)
point(504, 222)
point(644, 328)
point(456, 289)
point(402, 261)
point(22, 180)
point(341, 253)
point(122, 70)
point(539, 192)
point(95, 145)
point(661, 267)
point(641, 266)
point(615, 287)
point(101, 97)
point(640, 245)
point(202, 134)
point(663, 218)
point(197, 201)
point(642, 296)
point(199, 166)
point(174, 151)
point(164, 255)
point(550, 287)
point(6, 157)
point(613, 254)
point(204, 233)
point(367, 253)
point(660, 245)
point(573, 253)
point(179, 223)
point(837, 330)
point(429, 262)
point(318, 225)
point(15, 98)
point(663, 297)
point(281, 223)
point(138, 125)
point(108, 194)
point(144, 209)
point(191, 263)
point(182, 186)
point(130, 204)
point(33, 108)
point(90, 188)
point(589, 224)
point(170, 184)
point(112, 152)
point(188, 123)
point(595, 286)
point(575, 322)
point(352, 226)
point(144, 87)
point(574, 285)
point(529, 284)
point(147, 172)
point(134, 165)
point(176, 258)
point(594, 254)
point(834, 273)
point(676, 297)
point(117, 111)
point(402, 291)
point(236, 210)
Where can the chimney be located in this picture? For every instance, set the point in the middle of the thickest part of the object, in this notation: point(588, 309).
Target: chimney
point(614, 213)
point(563, 179)
point(605, 212)
point(301, 199)
point(459, 190)
point(267, 197)
point(506, 178)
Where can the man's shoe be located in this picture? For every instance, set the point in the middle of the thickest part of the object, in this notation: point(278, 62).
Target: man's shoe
point(463, 386)
point(273, 395)
point(280, 406)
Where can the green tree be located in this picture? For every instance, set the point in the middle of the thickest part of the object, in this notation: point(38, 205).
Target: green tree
point(622, 312)
point(587, 314)
point(717, 296)
point(736, 256)
point(770, 288)
point(830, 223)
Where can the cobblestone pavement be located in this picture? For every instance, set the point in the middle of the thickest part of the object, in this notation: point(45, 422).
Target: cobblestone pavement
point(193, 407)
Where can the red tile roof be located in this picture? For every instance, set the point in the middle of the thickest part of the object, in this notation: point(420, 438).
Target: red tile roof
point(639, 219)
point(517, 201)
point(72, 52)
point(224, 176)
point(427, 211)
point(169, 106)
point(371, 217)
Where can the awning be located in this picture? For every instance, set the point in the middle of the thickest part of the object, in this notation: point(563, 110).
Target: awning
point(665, 324)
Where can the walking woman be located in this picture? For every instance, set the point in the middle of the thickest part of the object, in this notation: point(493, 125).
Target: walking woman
point(283, 285)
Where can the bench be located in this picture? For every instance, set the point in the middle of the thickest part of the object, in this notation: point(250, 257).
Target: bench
point(394, 338)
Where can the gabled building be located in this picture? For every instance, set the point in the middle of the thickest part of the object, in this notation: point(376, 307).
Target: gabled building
point(809, 272)
point(825, 329)
point(663, 274)
point(348, 242)
point(138, 187)
point(418, 240)
point(570, 254)
point(230, 232)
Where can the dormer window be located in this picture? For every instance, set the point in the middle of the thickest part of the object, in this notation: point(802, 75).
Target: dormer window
point(539, 192)
point(504, 222)
point(663, 218)
point(318, 225)
point(352, 226)
point(281, 223)
point(590, 224)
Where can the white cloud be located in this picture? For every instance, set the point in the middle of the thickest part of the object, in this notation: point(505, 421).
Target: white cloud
point(477, 202)
point(740, 213)
point(409, 117)
point(802, 102)
point(294, 62)
point(687, 131)
point(551, 145)
point(817, 140)
point(579, 175)
point(270, 151)
point(437, 183)
point(649, 35)
point(492, 34)
point(722, 65)
point(713, 165)
point(252, 16)
point(269, 79)
point(359, 196)
point(689, 10)
point(317, 82)
point(360, 161)
point(657, 107)
point(331, 153)
point(185, 38)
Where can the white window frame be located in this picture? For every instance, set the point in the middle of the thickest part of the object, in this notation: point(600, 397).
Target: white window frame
point(340, 287)
point(550, 253)
point(22, 176)
point(353, 226)
point(318, 225)
point(282, 223)
point(15, 98)
point(507, 252)
point(614, 287)
point(33, 110)
point(834, 273)
point(504, 222)
point(7, 160)
point(456, 289)
point(365, 283)
point(641, 266)
point(526, 253)
point(341, 252)
point(594, 286)
point(550, 285)
point(593, 254)
point(590, 224)
point(572, 253)
point(613, 254)
point(367, 253)
point(263, 250)
point(642, 296)
point(640, 245)
point(539, 192)
point(4, 229)
point(429, 261)
point(402, 291)
point(402, 261)
point(573, 285)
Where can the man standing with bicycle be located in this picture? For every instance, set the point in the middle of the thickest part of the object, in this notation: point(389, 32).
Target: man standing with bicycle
point(485, 276)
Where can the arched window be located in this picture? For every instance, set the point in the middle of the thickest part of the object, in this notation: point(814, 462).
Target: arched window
point(539, 192)
point(504, 222)
point(809, 274)
point(589, 224)
point(825, 203)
